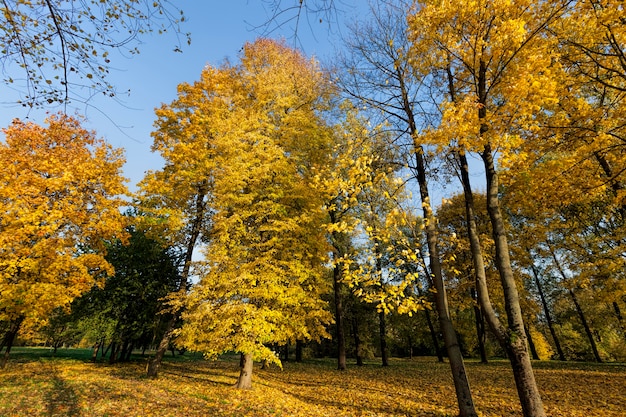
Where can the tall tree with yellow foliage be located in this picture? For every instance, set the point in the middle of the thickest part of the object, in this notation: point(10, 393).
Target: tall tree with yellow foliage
point(60, 194)
point(263, 271)
point(494, 61)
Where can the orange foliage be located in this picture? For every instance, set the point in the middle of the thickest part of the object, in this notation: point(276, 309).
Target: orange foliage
point(60, 191)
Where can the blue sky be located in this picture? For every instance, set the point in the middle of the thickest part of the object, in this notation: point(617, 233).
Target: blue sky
point(218, 30)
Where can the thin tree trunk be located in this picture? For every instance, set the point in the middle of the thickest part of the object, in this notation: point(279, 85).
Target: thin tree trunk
point(341, 338)
point(431, 328)
point(357, 340)
point(114, 350)
point(546, 312)
point(455, 357)
point(154, 365)
point(106, 350)
point(383, 338)
point(123, 350)
point(9, 339)
point(129, 352)
point(245, 373)
point(620, 319)
point(299, 346)
point(531, 344)
point(515, 340)
point(94, 352)
point(481, 335)
point(585, 323)
point(579, 310)
point(152, 369)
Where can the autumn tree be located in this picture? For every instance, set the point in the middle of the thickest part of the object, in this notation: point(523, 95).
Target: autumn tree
point(377, 73)
point(53, 51)
point(176, 198)
point(61, 192)
point(263, 270)
point(494, 62)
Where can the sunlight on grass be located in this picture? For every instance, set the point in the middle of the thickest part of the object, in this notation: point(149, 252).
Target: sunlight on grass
point(421, 387)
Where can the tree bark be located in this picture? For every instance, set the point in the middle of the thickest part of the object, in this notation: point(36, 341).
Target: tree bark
point(531, 344)
point(585, 323)
point(114, 350)
point(455, 357)
point(299, 346)
point(245, 372)
point(357, 340)
point(515, 340)
point(94, 352)
point(9, 339)
point(383, 338)
point(579, 309)
point(620, 319)
point(341, 338)
point(431, 328)
point(152, 369)
point(481, 335)
point(546, 311)
point(154, 365)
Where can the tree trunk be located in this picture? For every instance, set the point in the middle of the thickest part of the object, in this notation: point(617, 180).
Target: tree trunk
point(516, 344)
point(579, 310)
point(384, 353)
point(481, 335)
point(620, 319)
point(531, 344)
point(245, 373)
point(455, 357)
point(546, 311)
point(123, 351)
point(152, 369)
point(106, 350)
point(341, 339)
point(299, 345)
point(9, 339)
point(583, 320)
point(94, 352)
point(357, 340)
point(114, 350)
point(129, 352)
point(431, 328)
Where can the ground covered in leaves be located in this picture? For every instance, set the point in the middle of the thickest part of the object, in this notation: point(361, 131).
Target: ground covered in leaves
point(65, 386)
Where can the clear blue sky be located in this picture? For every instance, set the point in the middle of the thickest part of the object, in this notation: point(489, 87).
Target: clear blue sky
point(218, 29)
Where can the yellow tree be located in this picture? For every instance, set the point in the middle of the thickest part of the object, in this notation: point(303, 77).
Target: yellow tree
point(264, 263)
point(353, 167)
point(60, 194)
point(495, 62)
point(176, 198)
point(378, 73)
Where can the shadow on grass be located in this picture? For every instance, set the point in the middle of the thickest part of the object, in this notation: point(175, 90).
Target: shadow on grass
point(61, 399)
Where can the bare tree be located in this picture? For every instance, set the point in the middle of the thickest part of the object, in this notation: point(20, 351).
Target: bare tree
point(54, 51)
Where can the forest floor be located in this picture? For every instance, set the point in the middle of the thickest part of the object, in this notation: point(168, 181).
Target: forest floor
point(36, 384)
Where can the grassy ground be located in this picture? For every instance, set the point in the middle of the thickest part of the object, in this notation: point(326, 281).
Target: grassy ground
point(36, 384)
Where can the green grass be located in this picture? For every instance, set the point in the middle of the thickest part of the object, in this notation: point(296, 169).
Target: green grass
point(36, 383)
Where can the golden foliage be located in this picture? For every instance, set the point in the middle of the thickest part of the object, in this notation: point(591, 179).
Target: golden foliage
point(60, 195)
point(254, 132)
